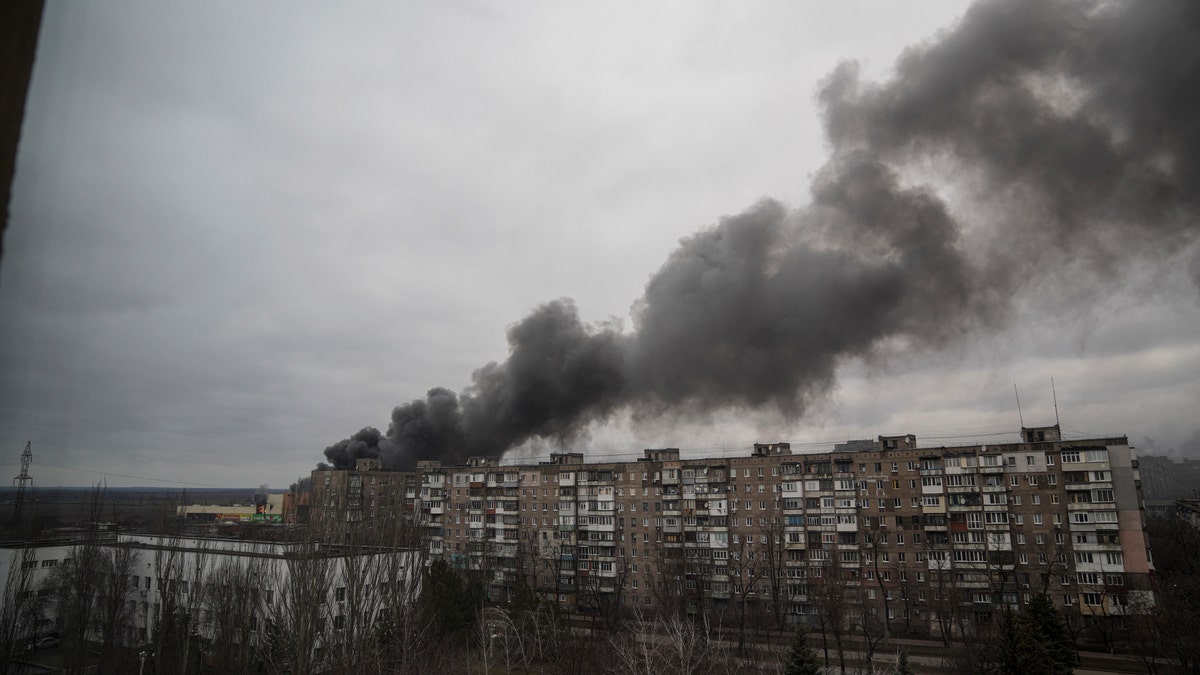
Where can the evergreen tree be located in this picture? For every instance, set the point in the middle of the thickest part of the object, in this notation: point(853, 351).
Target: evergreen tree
point(453, 603)
point(523, 599)
point(1018, 649)
point(902, 667)
point(1046, 625)
point(802, 660)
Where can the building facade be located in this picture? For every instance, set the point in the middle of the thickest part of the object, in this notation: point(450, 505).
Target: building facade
point(126, 589)
point(935, 537)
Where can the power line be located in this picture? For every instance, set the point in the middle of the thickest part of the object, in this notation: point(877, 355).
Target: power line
point(145, 455)
point(127, 475)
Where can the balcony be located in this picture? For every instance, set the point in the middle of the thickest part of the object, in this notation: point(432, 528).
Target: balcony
point(961, 489)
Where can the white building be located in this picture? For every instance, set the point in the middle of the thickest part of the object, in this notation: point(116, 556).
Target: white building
point(226, 591)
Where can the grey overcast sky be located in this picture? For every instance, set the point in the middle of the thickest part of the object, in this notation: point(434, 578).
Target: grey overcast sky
point(243, 231)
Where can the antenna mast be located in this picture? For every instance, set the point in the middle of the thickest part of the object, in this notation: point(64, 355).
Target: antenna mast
point(1018, 397)
point(1055, 395)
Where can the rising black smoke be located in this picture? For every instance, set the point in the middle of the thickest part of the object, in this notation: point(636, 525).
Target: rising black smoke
point(1071, 128)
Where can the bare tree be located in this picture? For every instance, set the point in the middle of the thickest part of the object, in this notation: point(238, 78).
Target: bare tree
point(747, 569)
point(831, 602)
point(21, 607)
point(668, 582)
point(402, 630)
point(177, 635)
point(78, 580)
point(114, 602)
point(946, 593)
point(669, 644)
point(603, 595)
point(505, 638)
point(298, 611)
point(1165, 614)
point(873, 550)
point(909, 595)
point(358, 576)
point(23, 604)
point(774, 554)
point(234, 603)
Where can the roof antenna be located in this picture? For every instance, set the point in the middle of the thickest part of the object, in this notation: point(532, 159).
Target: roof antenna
point(1055, 395)
point(1018, 396)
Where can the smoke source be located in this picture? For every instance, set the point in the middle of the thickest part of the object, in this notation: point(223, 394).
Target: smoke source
point(1071, 128)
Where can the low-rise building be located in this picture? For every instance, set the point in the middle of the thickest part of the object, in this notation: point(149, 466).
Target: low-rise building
point(266, 508)
point(128, 588)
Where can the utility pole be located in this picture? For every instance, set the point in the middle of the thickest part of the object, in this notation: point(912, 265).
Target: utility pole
point(21, 480)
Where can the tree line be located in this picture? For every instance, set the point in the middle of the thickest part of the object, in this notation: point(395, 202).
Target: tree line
point(317, 611)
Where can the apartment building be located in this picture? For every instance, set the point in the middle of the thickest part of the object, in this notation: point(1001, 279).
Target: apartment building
point(928, 536)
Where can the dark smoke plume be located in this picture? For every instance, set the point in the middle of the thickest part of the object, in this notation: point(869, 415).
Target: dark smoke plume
point(1072, 129)
point(367, 443)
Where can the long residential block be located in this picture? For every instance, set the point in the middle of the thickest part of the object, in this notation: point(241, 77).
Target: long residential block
point(935, 537)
